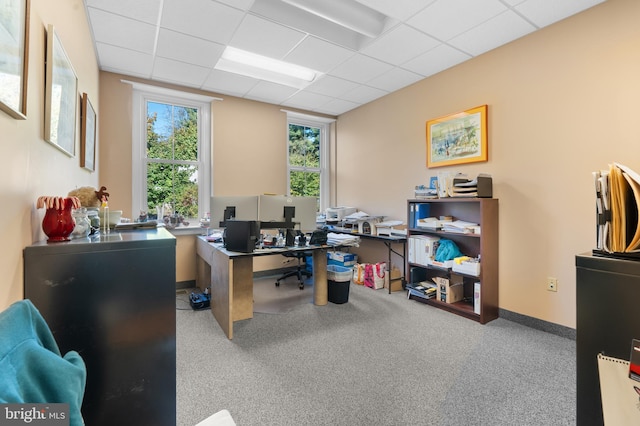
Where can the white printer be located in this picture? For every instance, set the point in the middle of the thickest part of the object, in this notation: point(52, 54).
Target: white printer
point(337, 214)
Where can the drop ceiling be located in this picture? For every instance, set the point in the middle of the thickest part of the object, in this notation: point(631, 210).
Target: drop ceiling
point(404, 41)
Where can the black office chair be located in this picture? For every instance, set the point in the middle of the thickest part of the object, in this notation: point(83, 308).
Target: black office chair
point(300, 271)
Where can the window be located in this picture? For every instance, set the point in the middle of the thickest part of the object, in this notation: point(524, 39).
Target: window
point(171, 154)
point(307, 157)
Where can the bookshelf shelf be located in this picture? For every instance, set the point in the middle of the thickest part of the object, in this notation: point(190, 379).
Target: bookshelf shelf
point(483, 211)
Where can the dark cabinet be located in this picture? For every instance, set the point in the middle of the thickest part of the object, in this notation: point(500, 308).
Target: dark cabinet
point(607, 319)
point(112, 299)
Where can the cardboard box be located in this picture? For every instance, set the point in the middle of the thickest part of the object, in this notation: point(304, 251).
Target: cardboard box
point(340, 258)
point(390, 276)
point(450, 290)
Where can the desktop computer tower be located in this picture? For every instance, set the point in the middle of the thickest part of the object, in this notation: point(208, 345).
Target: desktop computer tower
point(241, 235)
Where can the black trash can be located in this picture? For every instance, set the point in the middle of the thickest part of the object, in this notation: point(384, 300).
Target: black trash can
point(338, 280)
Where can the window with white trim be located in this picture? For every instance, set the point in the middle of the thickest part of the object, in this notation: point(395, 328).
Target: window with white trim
point(171, 155)
point(307, 157)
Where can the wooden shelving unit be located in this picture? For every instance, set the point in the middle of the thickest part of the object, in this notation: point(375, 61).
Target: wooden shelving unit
point(483, 211)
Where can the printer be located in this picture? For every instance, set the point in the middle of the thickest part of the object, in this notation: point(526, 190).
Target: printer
point(337, 214)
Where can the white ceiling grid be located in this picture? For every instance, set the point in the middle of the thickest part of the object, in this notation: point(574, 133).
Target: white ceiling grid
point(180, 41)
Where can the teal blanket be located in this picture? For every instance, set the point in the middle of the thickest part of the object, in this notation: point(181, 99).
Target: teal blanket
point(32, 369)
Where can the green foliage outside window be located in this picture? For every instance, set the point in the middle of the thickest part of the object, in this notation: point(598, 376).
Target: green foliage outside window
point(304, 160)
point(172, 156)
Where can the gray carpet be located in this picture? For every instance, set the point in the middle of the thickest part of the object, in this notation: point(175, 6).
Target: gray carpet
point(379, 359)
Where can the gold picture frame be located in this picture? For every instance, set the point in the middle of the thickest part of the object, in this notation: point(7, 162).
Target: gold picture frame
point(14, 51)
point(458, 138)
point(87, 134)
point(61, 97)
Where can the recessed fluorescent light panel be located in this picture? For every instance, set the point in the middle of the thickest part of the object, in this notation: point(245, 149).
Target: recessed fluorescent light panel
point(264, 68)
point(346, 13)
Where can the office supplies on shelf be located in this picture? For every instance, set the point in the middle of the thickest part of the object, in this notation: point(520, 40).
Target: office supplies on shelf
point(460, 227)
point(422, 191)
point(466, 265)
point(481, 186)
point(417, 211)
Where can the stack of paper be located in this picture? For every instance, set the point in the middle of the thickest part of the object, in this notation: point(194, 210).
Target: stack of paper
point(431, 222)
point(463, 187)
point(343, 239)
point(460, 227)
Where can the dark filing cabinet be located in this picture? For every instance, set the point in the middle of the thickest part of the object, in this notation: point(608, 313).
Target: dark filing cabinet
point(608, 318)
point(112, 299)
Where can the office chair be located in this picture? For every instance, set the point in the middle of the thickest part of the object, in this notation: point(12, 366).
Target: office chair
point(299, 272)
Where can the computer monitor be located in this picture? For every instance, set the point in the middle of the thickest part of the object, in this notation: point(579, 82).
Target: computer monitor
point(271, 208)
point(243, 207)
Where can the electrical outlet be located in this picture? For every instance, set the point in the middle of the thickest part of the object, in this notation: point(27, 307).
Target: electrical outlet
point(552, 284)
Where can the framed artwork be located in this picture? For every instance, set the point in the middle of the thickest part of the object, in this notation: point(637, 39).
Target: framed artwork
point(14, 55)
point(87, 134)
point(61, 97)
point(458, 138)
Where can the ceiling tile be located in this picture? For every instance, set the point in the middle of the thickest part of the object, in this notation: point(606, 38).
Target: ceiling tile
point(545, 12)
point(360, 68)
point(331, 86)
point(142, 10)
point(179, 72)
point(436, 60)
point(445, 19)
point(184, 48)
point(238, 4)
point(307, 100)
point(394, 80)
point(399, 45)
point(271, 92)
point(500, 30)
point(229, 83)
point(337, 107)
point(119, 31)
point(125, 61)
point(363, 94)
point(318, 54)
point(265, 38)
point(399, 9)
point(201, 18)
point(179, 41)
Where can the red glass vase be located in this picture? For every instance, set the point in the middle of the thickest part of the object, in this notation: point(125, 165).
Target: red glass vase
point(58, 223)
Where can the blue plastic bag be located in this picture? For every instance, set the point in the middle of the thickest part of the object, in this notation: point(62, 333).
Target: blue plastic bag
point(447, 250)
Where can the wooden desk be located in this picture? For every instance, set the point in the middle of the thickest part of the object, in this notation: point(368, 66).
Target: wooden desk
point(230, 277)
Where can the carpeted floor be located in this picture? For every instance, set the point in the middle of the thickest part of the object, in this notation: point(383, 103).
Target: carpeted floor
point(379, 359)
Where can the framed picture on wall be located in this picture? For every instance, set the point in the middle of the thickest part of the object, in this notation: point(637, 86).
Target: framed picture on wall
point(458, 138)
point(14, 54)
point(61, 97)
point(87, 134)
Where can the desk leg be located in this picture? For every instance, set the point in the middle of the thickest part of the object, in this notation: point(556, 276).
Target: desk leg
point(320, 288)
point(231, 290)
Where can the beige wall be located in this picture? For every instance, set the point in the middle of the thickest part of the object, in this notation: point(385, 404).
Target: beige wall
point(563, 102)
point(32, 167)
